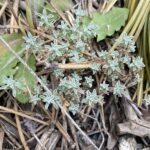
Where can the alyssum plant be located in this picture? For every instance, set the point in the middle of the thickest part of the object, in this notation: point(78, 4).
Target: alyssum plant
point(76, 84)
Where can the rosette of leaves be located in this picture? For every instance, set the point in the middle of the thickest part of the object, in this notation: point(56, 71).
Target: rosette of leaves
point(93, 98)
point(70, 86)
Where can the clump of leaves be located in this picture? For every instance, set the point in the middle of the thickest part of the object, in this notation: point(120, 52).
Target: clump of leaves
point(92, 98)
point(32, 43)
point(72, 45)
point(10, 83)
point(50, 98)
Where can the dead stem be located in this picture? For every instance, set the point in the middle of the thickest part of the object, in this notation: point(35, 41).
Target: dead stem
point(77, 65)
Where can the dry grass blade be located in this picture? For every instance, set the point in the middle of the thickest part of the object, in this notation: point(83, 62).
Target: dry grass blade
point(140, 27)
point(7, 110)
point(145, 8)
point(13, 21)
point(3, 8)
point(109, 5)
point(1, 138)
point(12, 123)
point(84, 65)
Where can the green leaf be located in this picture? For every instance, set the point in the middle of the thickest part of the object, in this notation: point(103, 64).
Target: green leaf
point(15, 41)
point(109, 22)
point(28, 80)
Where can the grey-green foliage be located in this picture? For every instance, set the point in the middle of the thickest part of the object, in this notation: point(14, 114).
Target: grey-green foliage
point(11, 83)
point(72, 45)
point(74, 107)
point(102, 54)
point(147, 100)
point(51, 98)
point(118, 88)
point(112, 65)
point(33, 43)
point(104, 86)
point(93, 98)
point(95, 67)
point(89, 81)
point(137, 63)
point(35, 95)
point(126, 60)
point(46, 19)
point(56, 50)
point(58, 73)
point(75, 57)
point(70, 83)
point(129, 42)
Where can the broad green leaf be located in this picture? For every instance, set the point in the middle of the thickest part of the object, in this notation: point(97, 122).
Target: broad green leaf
point(27, 78)
point(15, 41)
point(107, 23)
